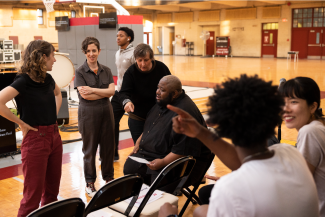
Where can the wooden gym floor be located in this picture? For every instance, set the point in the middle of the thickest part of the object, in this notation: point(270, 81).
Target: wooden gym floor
point(193, 71)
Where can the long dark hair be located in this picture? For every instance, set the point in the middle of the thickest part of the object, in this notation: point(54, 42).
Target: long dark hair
point(303, 88)
point(33, 61)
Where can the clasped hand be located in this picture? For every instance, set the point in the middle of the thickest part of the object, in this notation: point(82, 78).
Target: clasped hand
point(86, 90)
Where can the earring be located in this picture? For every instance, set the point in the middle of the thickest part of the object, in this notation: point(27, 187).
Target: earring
point(128, 39)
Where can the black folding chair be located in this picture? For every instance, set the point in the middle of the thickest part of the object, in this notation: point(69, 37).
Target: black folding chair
point(191, 194)
point(63, 208)
point(174, 174)
point(116, 191)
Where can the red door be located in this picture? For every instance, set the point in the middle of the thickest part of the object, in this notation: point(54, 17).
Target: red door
point(315, 37)
point(269, 43)
point(323, 43)
point(210, 44)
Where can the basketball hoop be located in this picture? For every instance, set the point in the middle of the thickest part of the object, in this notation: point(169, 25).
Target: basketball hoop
point(49, 5)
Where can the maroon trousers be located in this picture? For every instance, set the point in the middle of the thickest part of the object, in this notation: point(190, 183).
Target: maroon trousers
point(41, 153)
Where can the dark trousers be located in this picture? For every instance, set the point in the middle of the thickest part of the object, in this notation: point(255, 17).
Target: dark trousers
point(133, 167)
point(136, 128)
point(41, 155)
point(96, 126)
point(118, 111)
point(205, 193)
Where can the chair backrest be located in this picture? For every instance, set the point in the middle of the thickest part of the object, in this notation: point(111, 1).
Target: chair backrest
point(63, 208)
point(115, 191)
point(177, 172)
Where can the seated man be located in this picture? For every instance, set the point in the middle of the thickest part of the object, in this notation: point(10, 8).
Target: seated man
point(159, 143)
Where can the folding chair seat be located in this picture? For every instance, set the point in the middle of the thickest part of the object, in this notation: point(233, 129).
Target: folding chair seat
point(115, 191)
point(180, 170)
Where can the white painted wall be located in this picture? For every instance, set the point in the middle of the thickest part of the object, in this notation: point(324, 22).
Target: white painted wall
point(166, 40)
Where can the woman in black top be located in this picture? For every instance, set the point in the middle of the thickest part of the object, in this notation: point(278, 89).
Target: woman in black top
point(39, 100)
point(138, 92)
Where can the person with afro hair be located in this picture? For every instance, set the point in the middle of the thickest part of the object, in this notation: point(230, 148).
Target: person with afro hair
point(266, 181)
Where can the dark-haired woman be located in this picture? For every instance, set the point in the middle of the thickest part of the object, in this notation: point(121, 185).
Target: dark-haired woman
point(39, 100)
point(95, 86)
point(123, 59)
point(266, 181)
point(301, 112)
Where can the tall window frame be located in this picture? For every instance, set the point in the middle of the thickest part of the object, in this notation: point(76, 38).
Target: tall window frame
point(40, 16)
point(308, 17)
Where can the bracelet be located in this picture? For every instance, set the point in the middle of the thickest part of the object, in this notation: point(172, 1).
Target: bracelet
point(126, 101)
point(173, 215)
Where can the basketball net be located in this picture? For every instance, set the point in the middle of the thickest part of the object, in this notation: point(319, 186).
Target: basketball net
point(49, 5)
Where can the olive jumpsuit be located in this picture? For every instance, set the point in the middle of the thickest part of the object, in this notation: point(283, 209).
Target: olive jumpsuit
point(96, 122)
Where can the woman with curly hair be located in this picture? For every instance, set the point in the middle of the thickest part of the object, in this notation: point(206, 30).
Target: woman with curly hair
point(39, 100)
point(301, 112)
point(272, 181)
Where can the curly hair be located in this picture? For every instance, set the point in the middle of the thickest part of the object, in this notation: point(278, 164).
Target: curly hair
point(34, 63)
point(246, 110)
point(129, 32)
point(88, 41)
point(303, 88)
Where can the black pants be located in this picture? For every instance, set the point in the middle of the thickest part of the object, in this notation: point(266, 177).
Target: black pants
point(136, 129)
point(118, 111)
point(96, 126)
point(133, 167)
point(205, 193)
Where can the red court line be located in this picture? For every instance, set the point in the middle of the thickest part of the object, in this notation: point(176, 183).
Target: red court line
point(16, 170)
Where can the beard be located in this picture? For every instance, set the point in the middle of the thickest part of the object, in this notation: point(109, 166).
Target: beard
point(166, 101)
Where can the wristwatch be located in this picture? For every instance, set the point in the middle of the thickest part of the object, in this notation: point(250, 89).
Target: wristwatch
point(173, 215)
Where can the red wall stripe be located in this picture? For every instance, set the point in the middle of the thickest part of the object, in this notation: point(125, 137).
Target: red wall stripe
point(132, 19)
point(84, 21)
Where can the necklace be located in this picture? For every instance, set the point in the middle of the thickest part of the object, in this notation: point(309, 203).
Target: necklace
point(254, 155)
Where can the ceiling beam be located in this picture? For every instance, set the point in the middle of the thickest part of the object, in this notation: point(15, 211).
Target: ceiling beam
point(197, 5)
point(279, 2)
point(236, 4)
point(171, 8)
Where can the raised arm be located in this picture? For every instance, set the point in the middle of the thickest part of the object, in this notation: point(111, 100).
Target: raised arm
point(184, 123)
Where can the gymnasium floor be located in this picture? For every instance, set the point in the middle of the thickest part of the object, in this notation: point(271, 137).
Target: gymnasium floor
point(199, 75)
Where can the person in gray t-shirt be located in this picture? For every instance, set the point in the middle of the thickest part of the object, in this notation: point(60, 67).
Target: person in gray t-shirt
point(302, 112)
point(123, 59)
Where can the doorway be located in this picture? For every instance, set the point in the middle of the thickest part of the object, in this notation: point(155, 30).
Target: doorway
point(269, 40)
point(316, 43)
point(147, 38)
point(210, 44)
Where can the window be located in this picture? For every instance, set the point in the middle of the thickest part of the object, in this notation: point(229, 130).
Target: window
point(269, 26)
point(73, 14)
point(308, 17)
point(40, 20)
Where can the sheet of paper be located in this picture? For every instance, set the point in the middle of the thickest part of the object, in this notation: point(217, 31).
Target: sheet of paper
point(140, 160)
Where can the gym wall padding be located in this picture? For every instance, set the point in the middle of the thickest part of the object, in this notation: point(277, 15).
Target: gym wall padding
point(80, 28)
